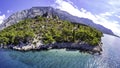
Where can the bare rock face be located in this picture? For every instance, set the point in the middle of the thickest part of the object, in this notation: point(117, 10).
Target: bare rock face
point(50, 12)
point(29, 13)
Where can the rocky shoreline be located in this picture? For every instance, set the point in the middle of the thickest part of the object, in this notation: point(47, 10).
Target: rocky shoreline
point(82, 47)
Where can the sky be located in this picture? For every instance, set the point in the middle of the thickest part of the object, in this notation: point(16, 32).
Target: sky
point(104, 12)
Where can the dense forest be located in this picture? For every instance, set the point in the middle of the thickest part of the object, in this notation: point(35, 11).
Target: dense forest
point(49, 30)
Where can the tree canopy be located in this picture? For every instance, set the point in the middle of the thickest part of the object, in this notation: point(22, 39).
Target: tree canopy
point(49, 30)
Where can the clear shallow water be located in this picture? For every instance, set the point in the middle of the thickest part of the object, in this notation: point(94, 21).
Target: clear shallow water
point(64, 59)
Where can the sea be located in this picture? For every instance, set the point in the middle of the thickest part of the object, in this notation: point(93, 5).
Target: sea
point(60, 58)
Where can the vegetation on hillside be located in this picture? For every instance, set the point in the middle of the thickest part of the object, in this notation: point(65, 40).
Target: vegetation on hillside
point(49, 30)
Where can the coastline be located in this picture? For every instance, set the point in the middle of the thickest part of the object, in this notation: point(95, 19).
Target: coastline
point(82, 47)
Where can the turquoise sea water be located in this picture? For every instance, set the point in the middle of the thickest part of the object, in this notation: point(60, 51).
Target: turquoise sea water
point(64, 59)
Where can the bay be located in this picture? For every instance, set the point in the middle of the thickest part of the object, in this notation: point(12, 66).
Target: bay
point(61, 58)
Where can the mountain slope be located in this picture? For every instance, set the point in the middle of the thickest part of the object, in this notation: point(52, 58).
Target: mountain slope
point(49, 30)
point(51, 12)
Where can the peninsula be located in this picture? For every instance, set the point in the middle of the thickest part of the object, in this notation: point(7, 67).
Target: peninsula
point(43, 32)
